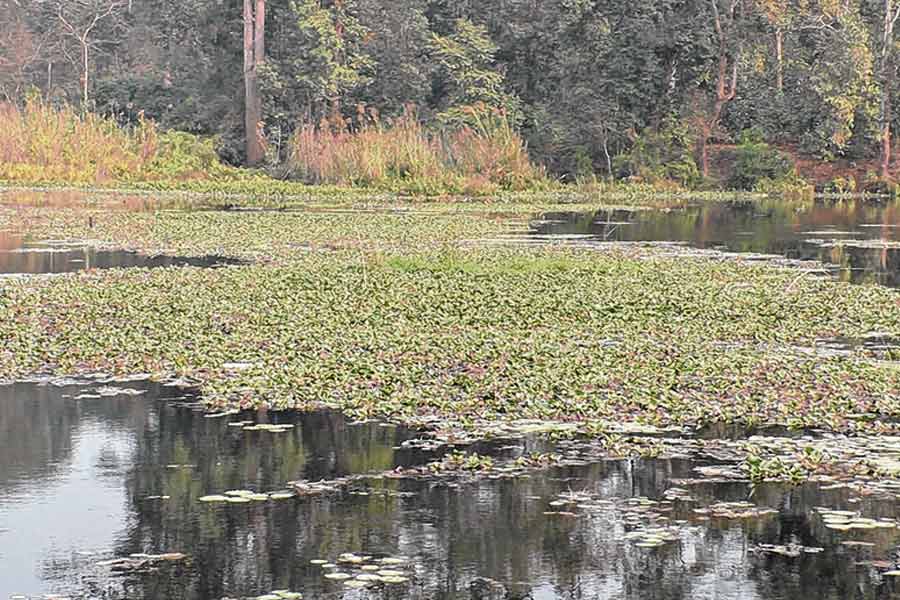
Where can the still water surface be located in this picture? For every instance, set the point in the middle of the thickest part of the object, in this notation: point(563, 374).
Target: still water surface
point(95, 472)
point(19, 256)
point(92, 472)
point(859, 240)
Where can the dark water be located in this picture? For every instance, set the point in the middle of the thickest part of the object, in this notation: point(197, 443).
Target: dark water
point(860, 240)
point(18, 256)
point(81, 477)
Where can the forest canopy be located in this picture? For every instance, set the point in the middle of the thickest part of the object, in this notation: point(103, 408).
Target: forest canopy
point(643, 89)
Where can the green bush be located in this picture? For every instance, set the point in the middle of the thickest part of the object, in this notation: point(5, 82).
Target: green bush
point(841, 185)
point(661, 156)
point(878, 186)
point(184, 155)
point(758, 164)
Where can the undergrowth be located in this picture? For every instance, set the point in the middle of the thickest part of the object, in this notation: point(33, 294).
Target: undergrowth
point(485, 157)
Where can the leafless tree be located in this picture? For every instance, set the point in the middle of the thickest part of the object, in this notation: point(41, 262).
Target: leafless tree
point(80, 22)
point(20, 50)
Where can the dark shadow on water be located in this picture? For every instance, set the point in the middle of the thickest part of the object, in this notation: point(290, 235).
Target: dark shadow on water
point(89, 473)
point(20, 257)
point(860, 239)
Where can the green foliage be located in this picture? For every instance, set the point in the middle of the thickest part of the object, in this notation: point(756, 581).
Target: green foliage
point(186, 156)
point(576, 79)
point(465, 61)
point(841, 185)
point(665, 155)
point(757, 164)
point(329, 62)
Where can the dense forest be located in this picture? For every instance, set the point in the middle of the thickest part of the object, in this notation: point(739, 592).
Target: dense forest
point(596, 87)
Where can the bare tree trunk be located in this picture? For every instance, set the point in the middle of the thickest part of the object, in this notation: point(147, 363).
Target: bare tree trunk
point(253, 104)
point(86, 67)
point(891, 14)
point(886, 137)
point(779, 60)
point(259, 40)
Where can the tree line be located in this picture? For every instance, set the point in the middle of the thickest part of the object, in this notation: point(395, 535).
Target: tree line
point(586, 81)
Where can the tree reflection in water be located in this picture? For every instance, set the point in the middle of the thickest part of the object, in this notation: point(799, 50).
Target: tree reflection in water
point(101, 460)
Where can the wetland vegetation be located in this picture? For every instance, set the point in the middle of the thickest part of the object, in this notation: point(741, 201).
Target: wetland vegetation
point(442, 300)
point(685, 398)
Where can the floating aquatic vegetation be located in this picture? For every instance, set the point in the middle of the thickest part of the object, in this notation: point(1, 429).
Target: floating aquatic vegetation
point(213, 498)
point(247, 496)
point(137, 563)
point(366, 570)
point(638, 342)
point(790, 551)
point(268, 428)
point(842, 521)
point(735, 510)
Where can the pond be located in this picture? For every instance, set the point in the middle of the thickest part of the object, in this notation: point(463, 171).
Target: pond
point(20, 256)
point(858, 240)
point(95, 472)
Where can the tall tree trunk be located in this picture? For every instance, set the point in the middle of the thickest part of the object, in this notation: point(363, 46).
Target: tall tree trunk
point(86, 67)
point(891, 14)
point(886, 138)
point(259, 39)
point(253, 31)
point(779, 60)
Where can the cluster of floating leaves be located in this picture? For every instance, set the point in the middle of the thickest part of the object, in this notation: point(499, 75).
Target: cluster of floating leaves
point(361, 571)
point(645, 521)
point(247, 496)
point(851, 521)
point(788, 550)
point(734, 510)
point(266, 427)
point(142, 563)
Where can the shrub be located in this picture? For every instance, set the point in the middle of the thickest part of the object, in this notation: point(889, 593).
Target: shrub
point(660, 156)
point(757, 164)
point(40, 143)
point(841, 185)
point(402, 156)
point(876, 185)
point(182, 155)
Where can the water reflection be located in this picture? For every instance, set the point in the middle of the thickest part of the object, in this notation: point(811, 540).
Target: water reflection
point(861, 239)
point(88, 475)
point(18, 256)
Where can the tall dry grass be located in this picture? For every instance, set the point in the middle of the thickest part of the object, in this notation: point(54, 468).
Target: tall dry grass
point(40, 142)
point(484, 157)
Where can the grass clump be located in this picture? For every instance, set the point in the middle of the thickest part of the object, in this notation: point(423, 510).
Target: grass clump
point(42, 143)
point(39, 142)
point(483, 157)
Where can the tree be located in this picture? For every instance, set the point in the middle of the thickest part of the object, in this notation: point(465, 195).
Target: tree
point(888, 73)
point(468, 76)
point(80, 21)
point(254, 59)
point(726, 16)
point(777, 14)
point(20, 48)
